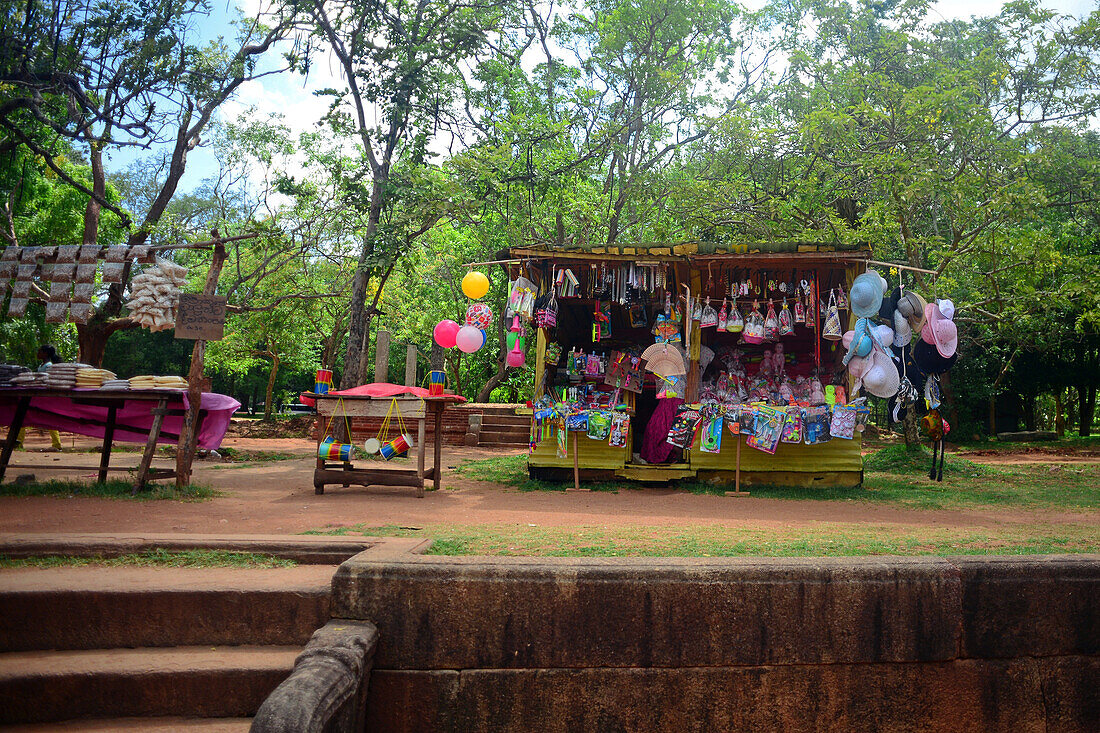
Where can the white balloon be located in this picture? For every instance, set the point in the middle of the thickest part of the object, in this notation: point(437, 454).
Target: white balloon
point(469, 339)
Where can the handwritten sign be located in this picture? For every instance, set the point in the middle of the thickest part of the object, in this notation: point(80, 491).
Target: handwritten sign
point(200, 317)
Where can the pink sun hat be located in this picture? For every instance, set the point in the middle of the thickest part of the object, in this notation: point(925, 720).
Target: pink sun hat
point(939, 330)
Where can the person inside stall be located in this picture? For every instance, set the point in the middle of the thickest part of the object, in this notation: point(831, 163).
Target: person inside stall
point(47, 356)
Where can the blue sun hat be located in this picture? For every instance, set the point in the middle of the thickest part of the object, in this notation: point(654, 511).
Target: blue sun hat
point(866, 294)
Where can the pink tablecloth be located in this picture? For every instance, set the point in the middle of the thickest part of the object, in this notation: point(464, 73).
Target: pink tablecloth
point(132, 419)
point(375, 389)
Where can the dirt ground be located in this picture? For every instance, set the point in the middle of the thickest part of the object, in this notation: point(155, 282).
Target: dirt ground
point(277, 497)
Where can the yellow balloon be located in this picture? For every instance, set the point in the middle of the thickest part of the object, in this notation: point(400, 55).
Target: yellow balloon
point(475, 285)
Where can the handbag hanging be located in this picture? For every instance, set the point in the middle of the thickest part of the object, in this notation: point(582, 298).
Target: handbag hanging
point(832, 329)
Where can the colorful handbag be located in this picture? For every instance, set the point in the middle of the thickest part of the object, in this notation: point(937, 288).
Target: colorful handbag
point(832, 329)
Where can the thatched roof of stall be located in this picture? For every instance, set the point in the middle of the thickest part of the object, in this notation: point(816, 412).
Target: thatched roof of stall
point(704, 250)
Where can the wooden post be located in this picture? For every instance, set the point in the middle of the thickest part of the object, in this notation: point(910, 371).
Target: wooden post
point(108, 440)
point(737, 473)
point(382, 356)
point(410, 365)
point(185, 453)
point(576, 462)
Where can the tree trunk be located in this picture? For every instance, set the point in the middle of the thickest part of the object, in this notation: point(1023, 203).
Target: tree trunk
point(911, 428)
point(357, 325)
point(993, 415)
point(271, 385)
point(1087, 409)
point(1059, 415)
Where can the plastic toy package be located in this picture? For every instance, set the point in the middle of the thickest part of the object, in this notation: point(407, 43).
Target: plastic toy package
point(815, 425)
point(792, 427)
point(620, 428)
point(711, 439)
point(599, 425)
point(682, 432)
point(768, 429)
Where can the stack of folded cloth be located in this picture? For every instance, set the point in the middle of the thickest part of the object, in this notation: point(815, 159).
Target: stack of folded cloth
point(115, 384)
point(7, 371)
point(92, 378)
point(63, 376)
point(148, 381)
point(30, 379)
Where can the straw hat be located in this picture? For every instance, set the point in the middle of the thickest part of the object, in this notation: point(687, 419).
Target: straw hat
point(881, 379)
point(912, 305)
point(664, 360)
point(866, 295)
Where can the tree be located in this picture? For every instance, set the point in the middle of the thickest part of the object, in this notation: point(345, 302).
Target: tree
point(402, 66)
point(99, 76)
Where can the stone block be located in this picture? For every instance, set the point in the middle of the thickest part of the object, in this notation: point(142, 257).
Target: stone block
point(1030, 606)
point(928, 697)
point(470, 613)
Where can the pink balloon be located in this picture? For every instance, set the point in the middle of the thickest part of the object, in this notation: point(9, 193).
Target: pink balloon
point(445, 332)
point(469, 339)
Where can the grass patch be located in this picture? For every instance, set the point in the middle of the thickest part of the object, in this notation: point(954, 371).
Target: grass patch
point(154, 558)
point(112, 489)
point(256, 456)
point(892, 475)
point(512, 471)
point(826, 540)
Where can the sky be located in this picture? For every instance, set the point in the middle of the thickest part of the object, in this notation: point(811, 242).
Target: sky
point(292, 95)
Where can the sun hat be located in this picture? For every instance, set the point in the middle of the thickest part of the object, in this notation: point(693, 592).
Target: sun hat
point(939, 330)
point(884, 334)
point(903, 332)
point(866, 295)
point(862, 345)
point(911, 305)
point(664, 359)
point(858, 366)
point(947, 308)
point(881, 378)
point(929, 360)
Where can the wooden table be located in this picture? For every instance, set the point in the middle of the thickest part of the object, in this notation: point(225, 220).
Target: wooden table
point(412, 408)
point(168, 402)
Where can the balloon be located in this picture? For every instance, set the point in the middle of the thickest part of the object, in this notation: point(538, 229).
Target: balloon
point(484, 336)
point(475, 285)
point(469, 339)
point(479, 315)
point(444, 333)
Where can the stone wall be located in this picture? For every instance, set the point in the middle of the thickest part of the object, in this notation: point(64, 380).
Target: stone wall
point(887, 644)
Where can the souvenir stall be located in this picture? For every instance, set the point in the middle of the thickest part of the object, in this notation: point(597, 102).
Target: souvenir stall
point(667, 363)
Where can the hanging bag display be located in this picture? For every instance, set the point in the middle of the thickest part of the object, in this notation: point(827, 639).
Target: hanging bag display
point(722, 316)
point(832, 330)
point(709, 317)
point(786, 322)
point(735, 323)
point(771, 324)
point(754, 326)
point(546, 312)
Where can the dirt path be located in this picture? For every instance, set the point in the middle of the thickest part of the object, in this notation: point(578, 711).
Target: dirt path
point(277, 497)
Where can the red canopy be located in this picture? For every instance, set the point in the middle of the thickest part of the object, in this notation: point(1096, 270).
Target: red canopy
point(375, 389)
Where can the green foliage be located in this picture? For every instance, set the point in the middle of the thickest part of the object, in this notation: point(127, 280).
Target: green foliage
point(158, 558)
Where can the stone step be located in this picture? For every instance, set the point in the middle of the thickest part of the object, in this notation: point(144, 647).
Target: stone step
point(199, 681)
point(517, 421)
point(106, 607)
point(138, 725)
point(491, 438)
